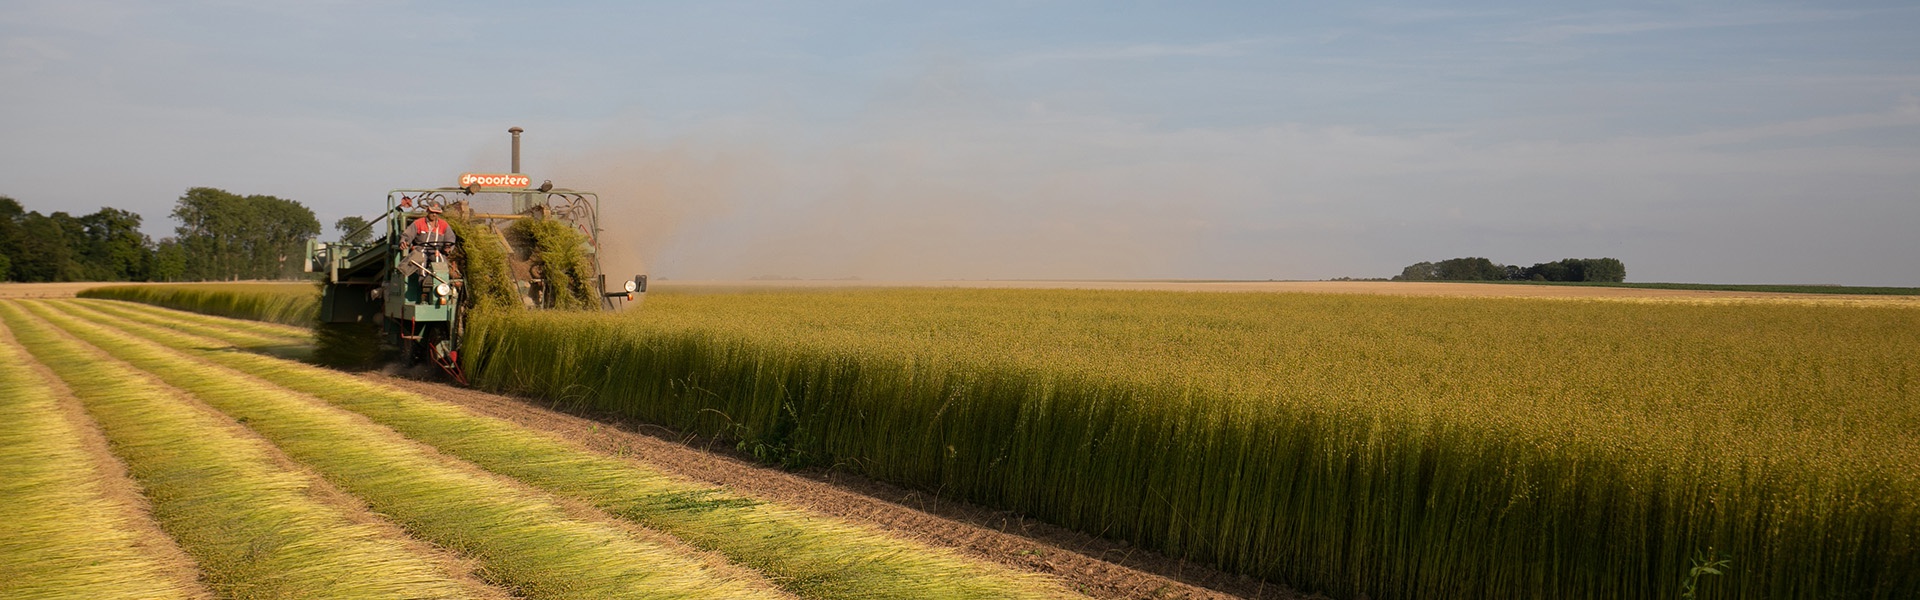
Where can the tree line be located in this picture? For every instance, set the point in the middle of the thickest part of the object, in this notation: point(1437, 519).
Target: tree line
point(220, 236)
point(1608, 270)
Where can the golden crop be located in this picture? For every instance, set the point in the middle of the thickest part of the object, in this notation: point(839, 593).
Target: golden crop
point(1386, 446)
point(1358, 445)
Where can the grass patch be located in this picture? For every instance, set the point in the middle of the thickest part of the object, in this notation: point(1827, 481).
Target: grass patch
point(523, 539)
point(62, 536)
point(250, 524)
point(812, 556)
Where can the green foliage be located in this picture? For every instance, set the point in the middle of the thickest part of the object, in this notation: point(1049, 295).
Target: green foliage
point(1606, 270)
point(353, 230)
point(169, 261)
point(228, 236)
point(1354, 445)
point(1704, 563)
point(1481, 269)
point(1454, 269)
point(112, 247)
point(43, 248)
point(482, 254)
point(562, 255)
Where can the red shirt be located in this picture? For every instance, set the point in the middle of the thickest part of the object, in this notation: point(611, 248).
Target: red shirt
point(424, 230)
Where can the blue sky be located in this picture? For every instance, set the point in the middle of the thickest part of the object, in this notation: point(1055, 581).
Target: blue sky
point(1738, 142)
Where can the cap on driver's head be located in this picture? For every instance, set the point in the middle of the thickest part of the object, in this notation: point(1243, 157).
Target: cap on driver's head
point(434, 208)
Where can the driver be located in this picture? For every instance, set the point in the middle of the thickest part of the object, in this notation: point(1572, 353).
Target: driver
point(430, 229)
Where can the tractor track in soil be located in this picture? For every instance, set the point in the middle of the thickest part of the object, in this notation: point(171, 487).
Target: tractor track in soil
point(1095, 566)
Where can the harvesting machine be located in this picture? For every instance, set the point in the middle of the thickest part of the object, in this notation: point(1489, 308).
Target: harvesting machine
point(420, 308)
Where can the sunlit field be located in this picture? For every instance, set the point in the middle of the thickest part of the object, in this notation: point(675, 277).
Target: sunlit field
point(1395, 447)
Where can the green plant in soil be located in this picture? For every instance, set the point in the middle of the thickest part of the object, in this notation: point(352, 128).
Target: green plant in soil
point(810, 555)
point(249, 522)
point(524, 539)
point(62, 535)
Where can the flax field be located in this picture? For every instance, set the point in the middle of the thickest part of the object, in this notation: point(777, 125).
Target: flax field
point(1358, 446)
point(152, 453)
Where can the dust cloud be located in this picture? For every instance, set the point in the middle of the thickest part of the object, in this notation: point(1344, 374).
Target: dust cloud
point(649, 195)
point(934, 183)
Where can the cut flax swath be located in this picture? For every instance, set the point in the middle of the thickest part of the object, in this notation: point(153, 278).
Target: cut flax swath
point(522, 538)
point(251, 525)
point(63, 536)
point(811, 555)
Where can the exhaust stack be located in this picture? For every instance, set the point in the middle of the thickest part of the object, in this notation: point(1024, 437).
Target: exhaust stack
point(516, 148)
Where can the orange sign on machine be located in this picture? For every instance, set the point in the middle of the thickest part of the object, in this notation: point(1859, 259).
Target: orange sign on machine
point(496, 180)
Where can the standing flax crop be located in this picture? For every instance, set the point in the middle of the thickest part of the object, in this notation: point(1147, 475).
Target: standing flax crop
point(1378, 446)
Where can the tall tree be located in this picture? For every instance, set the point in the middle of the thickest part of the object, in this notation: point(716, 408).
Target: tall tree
point(42, 249)
point(169, 261)
point(113, 248)
point(353, 230)
point(10, 214)
point(228, 236)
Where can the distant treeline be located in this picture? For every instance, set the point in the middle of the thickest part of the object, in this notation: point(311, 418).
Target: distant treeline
point(221, 236)
point(1607, 270)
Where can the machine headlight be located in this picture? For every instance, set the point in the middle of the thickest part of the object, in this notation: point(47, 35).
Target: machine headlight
point(632, 286)
point(443, 289)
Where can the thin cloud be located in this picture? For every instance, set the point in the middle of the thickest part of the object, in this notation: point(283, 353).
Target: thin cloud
point(1628, 24)
point(1145, 52)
